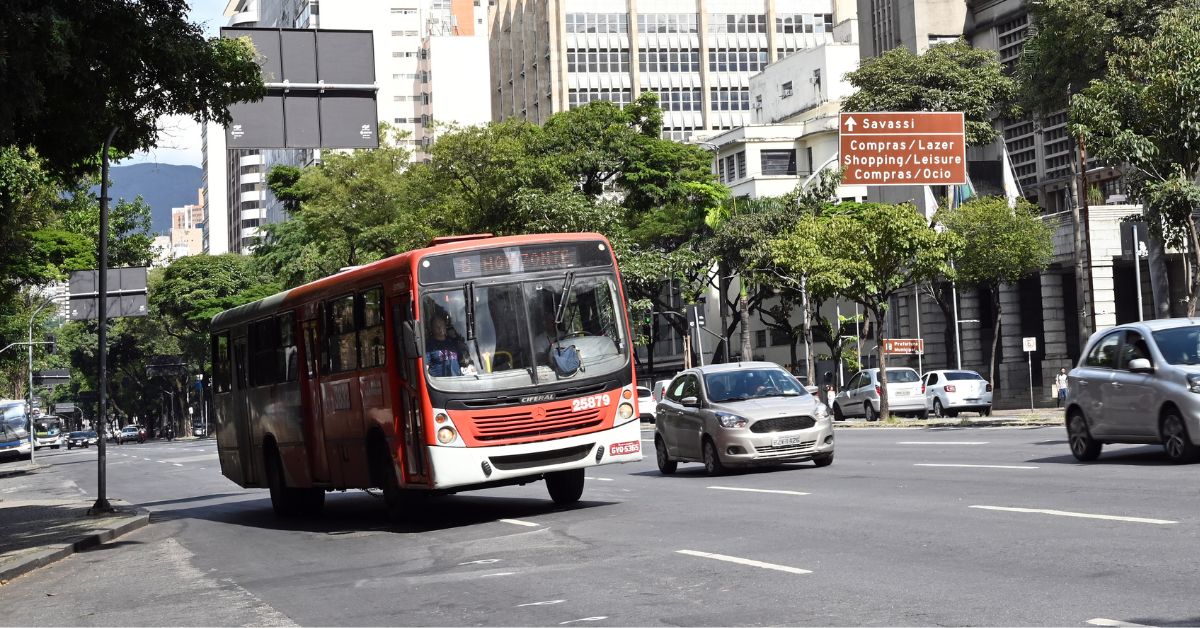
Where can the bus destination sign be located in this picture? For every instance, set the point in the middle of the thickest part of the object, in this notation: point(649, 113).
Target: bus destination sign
point(903, 148)
point(511, 260)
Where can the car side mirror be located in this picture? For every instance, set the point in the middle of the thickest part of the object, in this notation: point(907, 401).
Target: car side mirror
point(1140, 365)
point(409, 340)
point(690, 402)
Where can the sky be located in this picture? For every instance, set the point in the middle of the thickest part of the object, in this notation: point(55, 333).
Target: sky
point(179, 136)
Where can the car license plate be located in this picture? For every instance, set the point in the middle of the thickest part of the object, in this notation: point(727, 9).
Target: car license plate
point(787, 441)
point(903, 393)
point(631, 447)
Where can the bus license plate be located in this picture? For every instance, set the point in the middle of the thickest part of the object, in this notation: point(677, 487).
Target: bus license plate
point(787, 441)
point(631, 447)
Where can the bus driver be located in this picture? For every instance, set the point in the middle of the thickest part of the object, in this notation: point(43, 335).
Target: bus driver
point(444, 355)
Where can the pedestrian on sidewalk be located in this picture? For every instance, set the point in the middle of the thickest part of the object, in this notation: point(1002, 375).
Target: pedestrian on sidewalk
point(1060, 385)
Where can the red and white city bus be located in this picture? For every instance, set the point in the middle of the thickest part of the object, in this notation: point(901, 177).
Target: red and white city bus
point(473, 363)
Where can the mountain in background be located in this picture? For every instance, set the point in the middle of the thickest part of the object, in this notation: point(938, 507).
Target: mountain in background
point(162, 186)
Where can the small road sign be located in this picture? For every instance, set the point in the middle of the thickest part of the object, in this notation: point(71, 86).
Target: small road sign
point(1029, 343)
point(903, 148)
point(903, 346)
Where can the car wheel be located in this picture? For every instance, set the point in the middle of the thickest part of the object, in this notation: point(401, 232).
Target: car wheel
point(922, 415)
point(837, 413)
point(1175, 439)
point(565, 487)
point(823, 460)
point(68, 447)
point(712, 459)
point(869, 412)
point(986, 411)
point(938, 410)
point(1083, 446)
point(665, 465)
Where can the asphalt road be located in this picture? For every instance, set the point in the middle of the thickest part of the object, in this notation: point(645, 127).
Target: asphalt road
point(908, 527)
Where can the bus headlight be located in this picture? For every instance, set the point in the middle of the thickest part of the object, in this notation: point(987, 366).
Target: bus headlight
point(446, 435)
point(624, 411)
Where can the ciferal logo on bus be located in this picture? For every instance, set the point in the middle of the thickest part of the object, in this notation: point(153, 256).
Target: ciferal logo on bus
point(536, 398)
point(630, 447)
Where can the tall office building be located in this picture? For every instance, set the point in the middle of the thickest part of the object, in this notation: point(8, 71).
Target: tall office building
point(914, 24)
point(238, 201)
point(698, 55)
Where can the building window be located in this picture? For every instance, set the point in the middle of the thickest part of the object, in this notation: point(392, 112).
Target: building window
point(597, 22)
point(666, 60)
point(741, 164)
point(580, 97)
point(760, 338)
point(804, 23)
point(780, 337)
point(597, 60)
point(679, 99)
point(730, 98)
point(736, 23)
point(727, 60)
point(778, 162)
point(667, 23)
point(785, 90)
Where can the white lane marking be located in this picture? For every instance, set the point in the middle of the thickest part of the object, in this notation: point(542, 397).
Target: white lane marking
point(1082, 515)
point(518, 522)
point(644, 440)
point(598, 479)
point(482, 561)
point(146, 459)
point(1100, 621)
point(571, 621)
point(755, 490)
point(976, 466)
point(546, 603)
point(162, 462)
point(942, 442)
point(177, 464)
point(743, 561)
point(501, 573)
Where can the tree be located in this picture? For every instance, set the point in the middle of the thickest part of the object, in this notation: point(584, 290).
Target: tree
point(1001, 245)
point(75, 70)
point(948, 77)
point(1146, 112)
point(866, 252)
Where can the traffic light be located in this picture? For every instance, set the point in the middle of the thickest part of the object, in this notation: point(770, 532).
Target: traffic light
point(52, 347)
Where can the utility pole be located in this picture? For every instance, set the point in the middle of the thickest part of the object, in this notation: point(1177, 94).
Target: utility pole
point(102, 506)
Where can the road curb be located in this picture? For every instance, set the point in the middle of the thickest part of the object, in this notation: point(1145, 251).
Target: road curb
point(20, 470)
point(57, 552)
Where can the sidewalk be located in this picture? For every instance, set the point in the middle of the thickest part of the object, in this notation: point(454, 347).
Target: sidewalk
point(39, 530)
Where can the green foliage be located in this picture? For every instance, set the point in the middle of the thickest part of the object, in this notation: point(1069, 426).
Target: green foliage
point(193, 289)
point(74, 70)
point(130, 242)
point(948, 77)
point(999, 244)
point(1070, 42)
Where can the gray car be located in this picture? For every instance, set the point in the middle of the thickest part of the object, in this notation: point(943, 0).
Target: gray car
point(1137, 383)
point(748, 413)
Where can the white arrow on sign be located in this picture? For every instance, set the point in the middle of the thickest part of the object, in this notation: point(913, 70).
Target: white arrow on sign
point(850, 124)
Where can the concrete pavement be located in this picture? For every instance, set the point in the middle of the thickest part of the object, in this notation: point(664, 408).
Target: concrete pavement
point(38, 531)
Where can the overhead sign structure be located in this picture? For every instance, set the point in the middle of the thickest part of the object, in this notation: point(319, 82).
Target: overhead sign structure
point(903, 148)
point(321, 90)
point(904, 346)
point(126, 293)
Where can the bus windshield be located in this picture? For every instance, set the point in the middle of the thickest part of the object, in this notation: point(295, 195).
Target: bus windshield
point(509, 335)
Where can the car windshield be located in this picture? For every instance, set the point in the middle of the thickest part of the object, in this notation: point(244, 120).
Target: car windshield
point(959, 375)
point(526, 333)
point(79, 434)
point(902, 376)
point(1180, 345)
point(744, 384)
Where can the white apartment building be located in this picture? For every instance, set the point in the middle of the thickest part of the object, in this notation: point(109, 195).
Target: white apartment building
point(698, 55)
point(238, 202)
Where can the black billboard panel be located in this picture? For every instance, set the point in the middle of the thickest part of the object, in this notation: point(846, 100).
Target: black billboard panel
point(299, 53)
point(126, 293)
point(302, 112)
point(266, 43)
point(348, 120)
point(346, 57)
point(257, 124)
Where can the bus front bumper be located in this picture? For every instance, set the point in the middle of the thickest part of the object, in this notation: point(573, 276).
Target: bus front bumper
point(465, 466)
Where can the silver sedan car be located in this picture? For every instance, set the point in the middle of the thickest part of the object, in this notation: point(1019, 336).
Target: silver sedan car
point(741, 414)
point(1137, 383)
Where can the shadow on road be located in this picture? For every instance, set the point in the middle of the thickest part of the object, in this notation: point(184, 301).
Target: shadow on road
point(696, 471)
point(1144, 456)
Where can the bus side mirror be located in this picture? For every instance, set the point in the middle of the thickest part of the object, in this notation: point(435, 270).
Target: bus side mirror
point(409, 340)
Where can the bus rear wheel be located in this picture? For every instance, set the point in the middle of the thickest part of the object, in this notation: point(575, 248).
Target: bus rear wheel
point(565, 487)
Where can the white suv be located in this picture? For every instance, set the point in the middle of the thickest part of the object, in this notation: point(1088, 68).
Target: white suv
point(860, 397)
point(647, 406)
point(1137, 383)
point(949, 392)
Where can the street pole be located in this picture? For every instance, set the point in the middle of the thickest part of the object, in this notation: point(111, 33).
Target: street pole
point(102, 505)
point(1029, 354)
point(1137, 269)
point(957, 327)
point(837, 335)
point(917, 302)
point(29, 412)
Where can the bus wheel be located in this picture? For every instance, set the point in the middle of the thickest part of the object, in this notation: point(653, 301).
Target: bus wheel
point(383, 475)
point(283, 499)
point(310, 501)
point(565, 487)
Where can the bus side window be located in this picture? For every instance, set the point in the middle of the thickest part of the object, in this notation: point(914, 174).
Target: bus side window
point(341, 336)
point(263, 341)
point(312, 358)
point(288, 367)
point(370, 324)
point(239, 363)
point(220, 363)
point(401, 313)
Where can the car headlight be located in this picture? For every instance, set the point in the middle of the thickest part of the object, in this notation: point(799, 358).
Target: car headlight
point(1193, 380)
point(625, 411)
point(820, 411)
point(731, 420)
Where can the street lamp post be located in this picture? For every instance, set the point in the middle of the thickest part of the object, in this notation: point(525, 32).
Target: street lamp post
point(29, 408)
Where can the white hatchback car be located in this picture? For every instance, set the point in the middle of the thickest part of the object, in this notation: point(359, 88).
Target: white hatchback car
point(647, 406)
point(949, 392)
point(860, 396)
